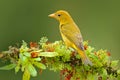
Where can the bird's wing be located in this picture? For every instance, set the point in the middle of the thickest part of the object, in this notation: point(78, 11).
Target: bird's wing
point(74, 37)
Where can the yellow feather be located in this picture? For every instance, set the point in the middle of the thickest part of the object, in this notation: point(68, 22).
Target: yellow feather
point(70, 33)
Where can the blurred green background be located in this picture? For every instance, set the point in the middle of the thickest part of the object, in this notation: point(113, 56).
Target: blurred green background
point(99, 21)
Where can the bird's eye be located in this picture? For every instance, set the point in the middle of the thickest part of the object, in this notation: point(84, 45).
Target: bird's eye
point(59, 15)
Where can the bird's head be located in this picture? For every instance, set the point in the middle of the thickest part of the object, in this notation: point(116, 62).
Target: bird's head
point(62, 16)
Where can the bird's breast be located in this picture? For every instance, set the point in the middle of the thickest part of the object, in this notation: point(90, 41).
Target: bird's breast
point(66, 40)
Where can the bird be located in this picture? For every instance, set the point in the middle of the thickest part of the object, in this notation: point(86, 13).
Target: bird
point(71, 34)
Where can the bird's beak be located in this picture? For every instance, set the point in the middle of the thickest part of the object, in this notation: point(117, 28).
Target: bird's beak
point(52, 15)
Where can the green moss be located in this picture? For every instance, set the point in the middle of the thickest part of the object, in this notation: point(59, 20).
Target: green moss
point(57, 56)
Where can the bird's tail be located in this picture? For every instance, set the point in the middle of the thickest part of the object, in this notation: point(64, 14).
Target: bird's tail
point(84, 58)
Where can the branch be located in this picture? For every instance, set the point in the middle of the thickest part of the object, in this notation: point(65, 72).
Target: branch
point(57, 57)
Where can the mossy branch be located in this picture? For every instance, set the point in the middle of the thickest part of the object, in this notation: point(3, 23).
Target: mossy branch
point(57, 57)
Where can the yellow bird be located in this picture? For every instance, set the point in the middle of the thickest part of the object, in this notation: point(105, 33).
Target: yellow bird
point(71, 34)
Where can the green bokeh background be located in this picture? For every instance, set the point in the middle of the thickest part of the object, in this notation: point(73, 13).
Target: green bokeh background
point(99, 21)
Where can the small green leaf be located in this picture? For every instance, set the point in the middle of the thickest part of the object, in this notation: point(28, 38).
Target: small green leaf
point(40, 65)
point(118, 71)
point(37, 59)
point(32, 70)
point(17, 68)
point(23, 68)
point(23, 47)
point(23, 58)
point(114, 63)
point(90, 49)
point(24, 61)
point(8, 67)
point(104, 74)
point(27, 54)
point(26, 75)
point(48, 54)
point(43, 40)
